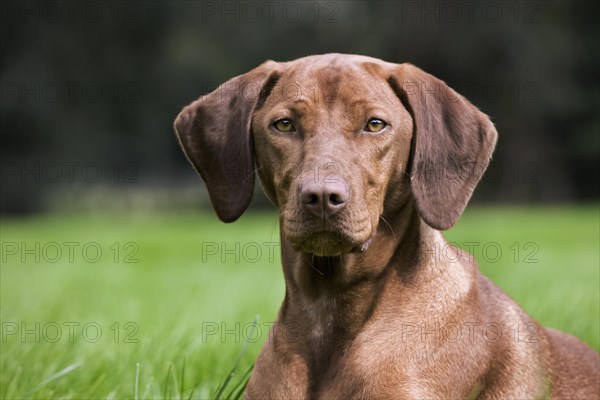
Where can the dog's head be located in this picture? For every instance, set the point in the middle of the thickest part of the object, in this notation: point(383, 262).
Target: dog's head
point(338, 142)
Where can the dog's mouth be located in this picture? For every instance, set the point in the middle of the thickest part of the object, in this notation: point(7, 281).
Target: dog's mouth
point(324, 244)
point(330, 237)
point(329, 244)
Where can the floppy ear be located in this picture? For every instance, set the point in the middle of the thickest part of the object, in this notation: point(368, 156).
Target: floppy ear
point(451, 146)
point(214, 133)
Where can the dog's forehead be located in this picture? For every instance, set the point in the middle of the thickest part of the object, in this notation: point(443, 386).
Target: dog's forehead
point(335, 59)
point(333, 69)
point(330, 77)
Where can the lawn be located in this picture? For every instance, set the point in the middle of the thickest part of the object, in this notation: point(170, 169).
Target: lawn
point(160, 306)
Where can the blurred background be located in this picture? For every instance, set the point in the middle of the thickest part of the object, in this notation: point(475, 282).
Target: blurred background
point(90, 90)
point(116, 278)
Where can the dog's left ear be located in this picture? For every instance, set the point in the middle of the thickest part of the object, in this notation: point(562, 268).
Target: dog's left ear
point(214, 133)
point(452, 144)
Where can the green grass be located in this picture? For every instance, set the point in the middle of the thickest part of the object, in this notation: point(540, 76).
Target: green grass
point(174, 323)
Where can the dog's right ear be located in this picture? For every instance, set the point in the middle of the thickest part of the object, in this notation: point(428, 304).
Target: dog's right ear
point(214, 133)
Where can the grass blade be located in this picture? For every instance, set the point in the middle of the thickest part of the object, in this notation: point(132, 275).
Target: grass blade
point(137, 381)
point(54, 377)
point(149, 386)
point(240, 392)
point(174, 378)
point(181, 386)
point(191, 393)
point(167, 382)
point(238, 389)
point(223, 385)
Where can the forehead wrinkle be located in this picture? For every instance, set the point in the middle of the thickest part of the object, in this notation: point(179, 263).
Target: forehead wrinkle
point(325, 87)
point(358, 107)
point(359, 104)
point(300, 106)
point(301, 103)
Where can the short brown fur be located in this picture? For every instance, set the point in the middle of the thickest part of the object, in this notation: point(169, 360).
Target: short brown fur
point(372, 310)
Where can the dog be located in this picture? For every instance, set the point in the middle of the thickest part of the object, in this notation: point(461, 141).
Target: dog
point(367, 162)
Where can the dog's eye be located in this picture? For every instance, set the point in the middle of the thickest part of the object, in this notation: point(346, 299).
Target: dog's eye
point(284, 125)
point(375, 125)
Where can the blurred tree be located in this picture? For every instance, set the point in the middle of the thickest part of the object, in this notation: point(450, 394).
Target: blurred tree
point(532, 66)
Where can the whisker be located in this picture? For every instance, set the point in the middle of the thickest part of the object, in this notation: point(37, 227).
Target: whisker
point(254, 172)
point(390, 226)
point(273, 227)
point(312, 265)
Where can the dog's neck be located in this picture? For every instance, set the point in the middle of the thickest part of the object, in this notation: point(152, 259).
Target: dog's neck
point(336, 296)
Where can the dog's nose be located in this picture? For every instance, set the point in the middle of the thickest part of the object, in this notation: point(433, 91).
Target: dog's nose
point(324, 199)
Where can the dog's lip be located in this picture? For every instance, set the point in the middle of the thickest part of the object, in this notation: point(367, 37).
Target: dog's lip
point(333, 232)
point(344, 240)
point(303, 243)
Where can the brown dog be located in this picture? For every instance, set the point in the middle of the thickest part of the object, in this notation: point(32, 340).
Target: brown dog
point(367, 161)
